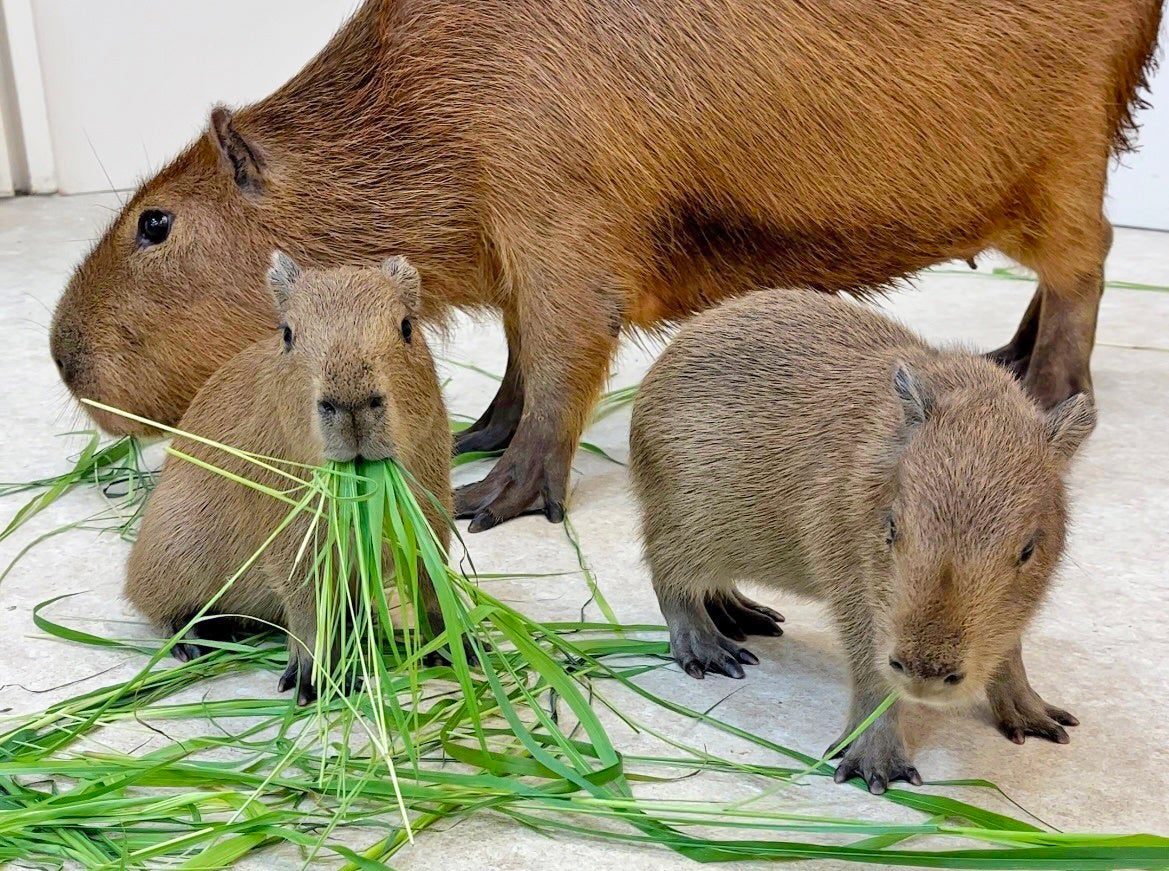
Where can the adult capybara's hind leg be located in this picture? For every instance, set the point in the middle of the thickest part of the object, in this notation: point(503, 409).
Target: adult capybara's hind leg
point(1059, 363)
point(1064, 237)
point(570, 325)
point(494, 430)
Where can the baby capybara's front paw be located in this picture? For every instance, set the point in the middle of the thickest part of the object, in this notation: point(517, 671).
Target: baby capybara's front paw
point(878, 758)
point(1025, 713)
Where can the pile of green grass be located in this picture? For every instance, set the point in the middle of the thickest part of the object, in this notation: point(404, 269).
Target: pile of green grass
point(516, 719)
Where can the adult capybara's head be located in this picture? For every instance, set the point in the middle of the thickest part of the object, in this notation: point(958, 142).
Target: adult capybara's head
point(974, 530)
point(173, 289)
point(350, 332)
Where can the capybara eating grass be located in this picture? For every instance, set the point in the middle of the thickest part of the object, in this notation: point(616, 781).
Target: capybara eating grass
point(587, 166)
point(346, 375)
point(803, 442)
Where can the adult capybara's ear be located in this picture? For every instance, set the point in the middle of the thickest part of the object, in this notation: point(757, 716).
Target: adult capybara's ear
point(283, 273)
point(240, 156)
point(1069, 423)
point(400, 271)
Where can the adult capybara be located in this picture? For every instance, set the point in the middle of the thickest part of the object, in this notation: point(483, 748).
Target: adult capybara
point(804, 442)
point(347, 375)
point(588, 165)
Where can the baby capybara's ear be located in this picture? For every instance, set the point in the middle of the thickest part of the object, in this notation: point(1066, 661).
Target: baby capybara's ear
point(914, 395)
point(399, 270)
point(238, 154)
point(283, 273)
point(1069, 423)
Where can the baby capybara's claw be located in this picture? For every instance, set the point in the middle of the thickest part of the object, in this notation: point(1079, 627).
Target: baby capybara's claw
point(700, 654)
point(878, 759)
point(1045, 721)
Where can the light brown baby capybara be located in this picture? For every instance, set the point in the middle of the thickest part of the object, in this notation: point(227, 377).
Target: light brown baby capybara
point(588, 165)
point(347, 375)
point(803, 442)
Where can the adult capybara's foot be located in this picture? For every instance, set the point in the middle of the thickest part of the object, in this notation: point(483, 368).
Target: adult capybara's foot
point(736, 616)
point(492, 437)
point(1023, 714)
point(1051, 385)
point(1012, 358)
point(496, 428)
point(1015, 355)
point(532, 485)
point(878, 758)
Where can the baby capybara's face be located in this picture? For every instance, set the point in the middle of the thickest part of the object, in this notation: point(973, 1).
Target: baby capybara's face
point(352, 334)
point(172, 290)
point(970, 542)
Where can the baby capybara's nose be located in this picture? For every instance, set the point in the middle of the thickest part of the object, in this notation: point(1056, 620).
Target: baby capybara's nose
point(329, 407)
point(926, 669)
point(349, 425)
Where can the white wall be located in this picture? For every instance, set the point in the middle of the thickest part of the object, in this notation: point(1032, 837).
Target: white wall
point(127, 83)
point(1138, 192)
point(28, 150)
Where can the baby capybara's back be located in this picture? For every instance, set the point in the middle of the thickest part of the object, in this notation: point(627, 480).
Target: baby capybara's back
point(812, 406)
point(766, 433)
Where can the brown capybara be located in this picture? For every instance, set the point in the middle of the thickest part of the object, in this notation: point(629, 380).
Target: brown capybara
point(588, 165)
point(347, 375)
point(803, 442)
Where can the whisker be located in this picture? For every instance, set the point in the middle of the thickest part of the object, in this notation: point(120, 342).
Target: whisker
point(109, 180)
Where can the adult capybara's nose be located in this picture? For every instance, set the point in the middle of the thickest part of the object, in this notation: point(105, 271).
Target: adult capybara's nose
point(67, 355)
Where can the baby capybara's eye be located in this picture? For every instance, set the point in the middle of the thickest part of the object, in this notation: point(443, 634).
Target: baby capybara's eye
point(153, 227)
point(407, 329)
point(287, 331)
point(1027, 552)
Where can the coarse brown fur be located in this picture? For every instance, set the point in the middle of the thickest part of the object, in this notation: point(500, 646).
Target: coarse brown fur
point(800, 441)
point(581, 166)
point(348, 356)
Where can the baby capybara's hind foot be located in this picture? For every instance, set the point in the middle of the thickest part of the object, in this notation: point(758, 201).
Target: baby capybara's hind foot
point(736, 616)
point(703, 631)
point(299, 674)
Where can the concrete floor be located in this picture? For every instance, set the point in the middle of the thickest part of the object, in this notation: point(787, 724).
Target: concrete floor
point(1100, 647)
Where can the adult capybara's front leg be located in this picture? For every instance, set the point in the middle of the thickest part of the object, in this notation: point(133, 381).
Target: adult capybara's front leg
point(568, 340)
point(1060, 324)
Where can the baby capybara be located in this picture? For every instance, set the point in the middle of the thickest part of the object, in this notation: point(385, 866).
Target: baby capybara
point(585, 165)
point(346, 375)
point(798, 441)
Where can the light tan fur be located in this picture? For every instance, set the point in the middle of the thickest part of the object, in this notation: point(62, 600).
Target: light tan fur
point(799, 441)
point(581, 166)
point(199, 528)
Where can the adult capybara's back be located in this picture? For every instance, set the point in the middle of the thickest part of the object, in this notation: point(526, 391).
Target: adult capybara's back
point(586, 165)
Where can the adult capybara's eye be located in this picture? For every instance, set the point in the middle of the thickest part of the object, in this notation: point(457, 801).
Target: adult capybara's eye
point(287, 333)
point(407, 329)
point(153, 227)
point(1027, 552)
